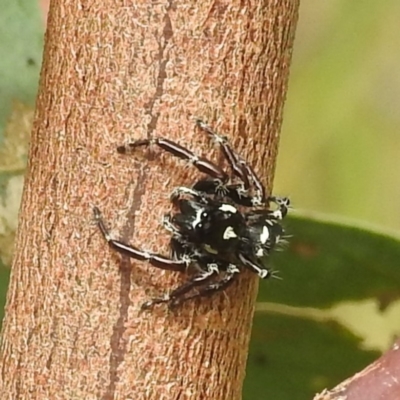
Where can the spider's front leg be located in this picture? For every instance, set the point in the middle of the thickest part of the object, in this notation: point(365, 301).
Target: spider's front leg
point(182, 190)
point(177, 296)
point(157, 260)
point(230, 155)
point(262, 272)
point(283, 204)
point(230, 275)
point(201, 163)
point(241, 169)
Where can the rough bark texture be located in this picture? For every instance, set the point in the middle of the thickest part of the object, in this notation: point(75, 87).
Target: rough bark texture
point(117, 71)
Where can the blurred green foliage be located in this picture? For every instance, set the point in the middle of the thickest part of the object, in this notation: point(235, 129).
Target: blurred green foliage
point(299, 345)
point(340, 141)
point(294, 358)
point(21, 44)
point(328, 262)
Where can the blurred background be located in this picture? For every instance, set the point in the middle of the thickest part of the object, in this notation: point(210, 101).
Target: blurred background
point(340, 143)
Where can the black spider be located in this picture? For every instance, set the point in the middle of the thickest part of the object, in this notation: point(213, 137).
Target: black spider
point(210, 233)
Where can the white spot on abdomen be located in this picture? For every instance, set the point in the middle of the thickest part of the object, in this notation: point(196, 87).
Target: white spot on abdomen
point(264, 235)
point(229, 233)
point(228, 208)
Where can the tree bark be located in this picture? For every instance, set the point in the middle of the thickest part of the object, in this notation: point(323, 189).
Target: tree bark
point(114, 72)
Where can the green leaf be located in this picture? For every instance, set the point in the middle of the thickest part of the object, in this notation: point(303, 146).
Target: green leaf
point(294, 358)
point(21, 44)
point(4, 280)
point(303, 340)
point(329, 261)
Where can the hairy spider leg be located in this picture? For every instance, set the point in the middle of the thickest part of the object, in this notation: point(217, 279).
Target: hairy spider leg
point(201, 163)
point(234, 192)
point(182, 190)
point(174, 297)
point(230, 275)
point(283, 204)
point(230, 155)
point(157, 260)
point(263, 273)
point(240, 168)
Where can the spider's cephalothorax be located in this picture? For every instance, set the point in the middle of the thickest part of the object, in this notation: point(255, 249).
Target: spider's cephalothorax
point(224, 223)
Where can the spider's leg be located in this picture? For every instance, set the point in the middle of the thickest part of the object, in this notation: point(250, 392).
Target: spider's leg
point(182, 190)
point(211, 186)
point(201, 163)
point(230, 275)
point(283, 204)
point(236, 193)
point(239, 166)
point(259, 198)
point(167, 223)
point(157, 260)
point(263, 273)
point(230, 155)
point(174, 297)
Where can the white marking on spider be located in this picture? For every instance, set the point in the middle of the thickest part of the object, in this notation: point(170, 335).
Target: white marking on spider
point(166, 222)
point(200, 214)
point(186, 259)
point(277, 214)
point(228, 208)
point(219, 138)
point(242, 191)
point(263, 273)
point(229, 233)
point(108, 237)
point(232, 269)
point(260, 252)
point(183, 190)
point(194, 159)
point(221, 189)
point(212, 268)
point(256, 201)
point(264, 235)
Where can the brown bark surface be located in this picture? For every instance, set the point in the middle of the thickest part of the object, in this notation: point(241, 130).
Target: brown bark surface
point(114, 72)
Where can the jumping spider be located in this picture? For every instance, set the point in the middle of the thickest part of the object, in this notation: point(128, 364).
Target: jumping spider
point(210, 234)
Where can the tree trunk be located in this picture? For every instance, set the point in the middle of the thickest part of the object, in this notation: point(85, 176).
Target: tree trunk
point(115, 72)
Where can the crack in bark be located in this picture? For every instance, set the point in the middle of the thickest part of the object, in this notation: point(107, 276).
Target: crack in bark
point(117, 342)
point(162, 74)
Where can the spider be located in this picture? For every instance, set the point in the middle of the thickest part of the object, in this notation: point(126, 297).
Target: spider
point(210, 233)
